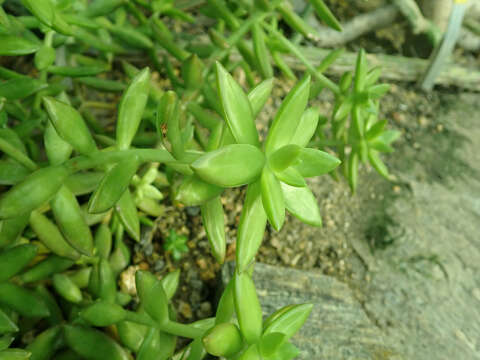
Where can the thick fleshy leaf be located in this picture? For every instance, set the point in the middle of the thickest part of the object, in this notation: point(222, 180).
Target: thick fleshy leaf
point(156, 303)
point(113, 186)
point(71, 222)
point(22, 300)
point(306, 127)
point(261, 51)
point(33, 191)
point(6, 324)
point(292, 177)
point(131, 108)
point(15, 259)
point(272, 198)
point(49, 234)
point(284, 157)
point(251, 227)
point(230, 166)
point(93, 344)
point(271, 342)
point(301, 203)
point(14, 46)
point(313, 162)
point(170, 283)
point(213, 221)
point(103, 313)
point(288, 320)
point(58, 150)
point(66, 288)
point(288, 116)
point(42, 9)
point(236, 108)
point(325, 14)
point(353, 171)
point(70, 125)
point(127, 212)
point(11, 172)
point(360, 71)
point(259, 95)
point(223, 340)
point(194, 191)
point(377, 163)
point(20, 88)
point(247, 307)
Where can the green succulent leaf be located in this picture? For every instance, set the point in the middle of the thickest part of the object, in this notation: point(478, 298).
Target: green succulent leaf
point(156, 303)
point(251, 227)
point(306, 127)
point(131, 108)
point(259, 95)
point(113, 185)
point(224, 339)
point(33, 191)
point(213, 221)
point(313, 162)
point(288, 116)
point(194, 191)
point(247, 307)
point(93, 344)
point(292, 177)
point(377, 163)
point(236, 107)
point(301, 203)
point(71, 222)
point(284, 157)
point(230, 166)
point(325, 14)
point(20, 88)
point(272, 198)
point(15, 259)
point(11, 45)
point(288, 320)
point(102, 313)
point(70, 125)
point(127, 212)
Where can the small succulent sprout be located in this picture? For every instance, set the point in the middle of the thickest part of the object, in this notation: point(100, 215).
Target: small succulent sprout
point(223, 340)
point(176, 245)
point(271, 343)
point(103, 313)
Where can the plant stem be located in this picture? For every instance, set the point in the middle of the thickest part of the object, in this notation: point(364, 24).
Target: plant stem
point(107, 157)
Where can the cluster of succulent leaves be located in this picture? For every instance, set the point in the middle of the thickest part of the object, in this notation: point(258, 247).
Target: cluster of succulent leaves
point(76, 184)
